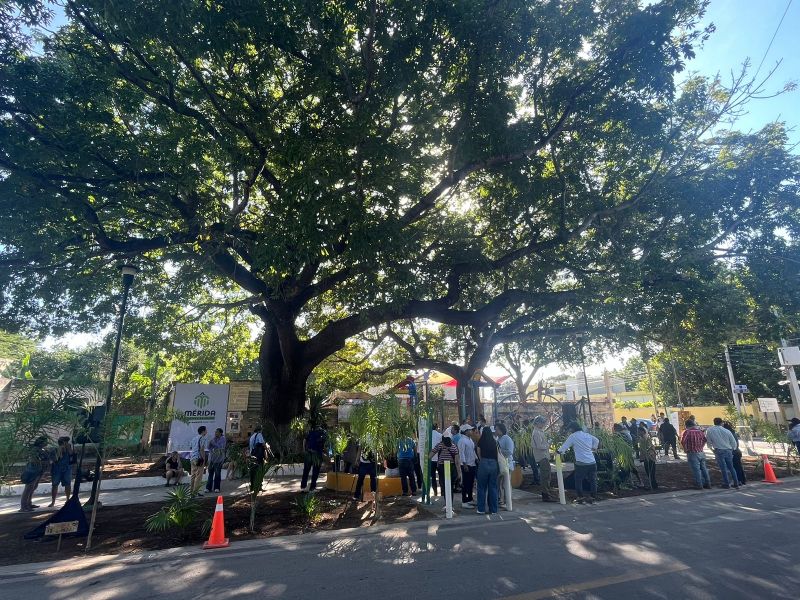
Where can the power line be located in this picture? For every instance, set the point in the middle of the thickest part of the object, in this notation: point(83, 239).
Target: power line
point(763, 58)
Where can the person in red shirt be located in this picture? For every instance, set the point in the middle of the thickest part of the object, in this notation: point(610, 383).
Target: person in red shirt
point(693, 441)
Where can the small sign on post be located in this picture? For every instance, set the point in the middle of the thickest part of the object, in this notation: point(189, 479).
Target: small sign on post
point(768, 405)
point(740, 389)
point(60, 529)
point(448, 492)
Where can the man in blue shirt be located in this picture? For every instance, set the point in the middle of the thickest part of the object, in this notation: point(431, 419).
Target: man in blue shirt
point(406, 449)
point(314, 446)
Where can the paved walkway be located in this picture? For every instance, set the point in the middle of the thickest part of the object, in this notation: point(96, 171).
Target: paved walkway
point(136, 494)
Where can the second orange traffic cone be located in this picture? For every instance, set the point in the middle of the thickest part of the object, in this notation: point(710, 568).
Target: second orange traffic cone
point(217, 538)
point(769, 474)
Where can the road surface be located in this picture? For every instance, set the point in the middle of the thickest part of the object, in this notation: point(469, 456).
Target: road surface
point(714, 544)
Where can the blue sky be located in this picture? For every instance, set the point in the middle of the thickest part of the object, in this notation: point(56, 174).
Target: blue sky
point(744, 30)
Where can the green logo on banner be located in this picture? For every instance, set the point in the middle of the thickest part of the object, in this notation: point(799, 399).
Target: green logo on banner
point(201, 400)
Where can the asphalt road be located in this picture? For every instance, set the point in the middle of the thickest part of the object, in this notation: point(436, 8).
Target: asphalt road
point(718, 544)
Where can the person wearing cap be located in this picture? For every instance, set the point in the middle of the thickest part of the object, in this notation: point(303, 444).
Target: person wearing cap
point(469, 464)
point(794, 433)
point(540, 444)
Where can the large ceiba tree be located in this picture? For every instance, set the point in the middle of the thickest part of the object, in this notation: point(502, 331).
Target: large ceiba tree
point(333, 166)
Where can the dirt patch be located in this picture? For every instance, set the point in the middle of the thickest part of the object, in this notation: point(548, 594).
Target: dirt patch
point(120, 529)
point(116, 468)
point(675, 476)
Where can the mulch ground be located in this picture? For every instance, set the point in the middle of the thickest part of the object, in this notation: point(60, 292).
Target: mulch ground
point(675, 476)
point(120, 529)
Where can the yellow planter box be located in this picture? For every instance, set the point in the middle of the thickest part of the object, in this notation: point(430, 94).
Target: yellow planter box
point(345, 482)
point(516, 477)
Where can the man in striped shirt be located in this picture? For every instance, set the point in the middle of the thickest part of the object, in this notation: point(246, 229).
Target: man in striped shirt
point(693, 440)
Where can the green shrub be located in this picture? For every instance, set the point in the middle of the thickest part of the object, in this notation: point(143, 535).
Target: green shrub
point(308, 507)
point(180, 512)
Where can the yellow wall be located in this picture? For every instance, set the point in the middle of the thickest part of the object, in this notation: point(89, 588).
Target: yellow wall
point(705, 414)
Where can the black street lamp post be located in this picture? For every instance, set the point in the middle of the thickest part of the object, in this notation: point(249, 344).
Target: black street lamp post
point(585, 380)
point(128, 273)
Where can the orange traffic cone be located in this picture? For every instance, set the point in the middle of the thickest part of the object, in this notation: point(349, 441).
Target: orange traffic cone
point(769, 474)
point(217, 538)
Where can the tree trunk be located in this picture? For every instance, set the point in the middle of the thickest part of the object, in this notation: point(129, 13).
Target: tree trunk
point(283, 380)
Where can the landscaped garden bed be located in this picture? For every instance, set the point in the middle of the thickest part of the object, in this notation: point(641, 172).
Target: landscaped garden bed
point(121, 529)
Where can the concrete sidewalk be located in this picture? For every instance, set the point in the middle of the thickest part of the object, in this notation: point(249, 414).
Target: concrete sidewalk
point(139, 493)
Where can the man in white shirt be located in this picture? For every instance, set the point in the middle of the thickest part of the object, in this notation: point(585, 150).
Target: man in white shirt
point(540, 444)
point(723, 443)
point(584, 445)
point(198, 458)
point(469, 464)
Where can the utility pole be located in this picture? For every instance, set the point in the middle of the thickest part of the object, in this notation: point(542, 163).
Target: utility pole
point(794, 391)
point(734, 393)
point(675, 378)
point(151, 406)
point(653, 389)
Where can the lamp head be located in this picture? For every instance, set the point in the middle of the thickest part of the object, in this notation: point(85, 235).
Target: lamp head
point(128, 272)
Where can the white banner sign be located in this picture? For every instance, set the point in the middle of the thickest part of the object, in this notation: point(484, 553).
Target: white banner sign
point(201, 404)
point(768, 405)
point(674, 418)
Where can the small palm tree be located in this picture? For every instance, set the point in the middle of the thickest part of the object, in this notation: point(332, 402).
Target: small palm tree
point(621, 455)
point(180, 511)
point(378, 424)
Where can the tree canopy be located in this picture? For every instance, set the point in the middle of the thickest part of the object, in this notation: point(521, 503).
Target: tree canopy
point(332, 167)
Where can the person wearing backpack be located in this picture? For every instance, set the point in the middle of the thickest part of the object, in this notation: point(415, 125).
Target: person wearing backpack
point(258, 453)
point(198, 458)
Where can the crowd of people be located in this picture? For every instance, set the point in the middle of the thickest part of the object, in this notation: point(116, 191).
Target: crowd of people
point(481, 459)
